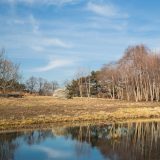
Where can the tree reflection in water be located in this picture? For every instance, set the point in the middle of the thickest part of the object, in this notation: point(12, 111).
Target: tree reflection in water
point(133, 141)
point(8, 145)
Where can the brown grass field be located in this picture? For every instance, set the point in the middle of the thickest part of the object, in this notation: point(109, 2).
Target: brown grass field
point(16, 113)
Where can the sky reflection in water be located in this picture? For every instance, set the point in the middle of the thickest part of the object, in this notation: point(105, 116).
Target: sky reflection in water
point(132, 141)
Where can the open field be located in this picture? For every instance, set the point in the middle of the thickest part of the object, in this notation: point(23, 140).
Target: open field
point(24, 112)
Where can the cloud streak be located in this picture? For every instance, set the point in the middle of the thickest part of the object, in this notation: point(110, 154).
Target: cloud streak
point(53, 64)
point(41, 2)
point(55, 42)
point(42, 43)
point(34, 23)
point(107, 10)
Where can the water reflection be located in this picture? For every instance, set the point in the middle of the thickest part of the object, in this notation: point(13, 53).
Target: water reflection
point(131, 141)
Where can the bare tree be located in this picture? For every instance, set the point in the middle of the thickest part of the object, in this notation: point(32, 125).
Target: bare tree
point(84, 84)
point(55, 85)
point(47, 89)
point(79, 77)
point(40, 82)
point(31, 84)
point(9, 73)
point(135, 76)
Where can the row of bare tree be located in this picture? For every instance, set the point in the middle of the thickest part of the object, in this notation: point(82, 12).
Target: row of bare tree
point(136, 76)
point(41, 86)
point(10, 79)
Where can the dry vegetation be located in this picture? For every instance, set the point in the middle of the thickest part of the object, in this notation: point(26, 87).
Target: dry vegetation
point(24, 112)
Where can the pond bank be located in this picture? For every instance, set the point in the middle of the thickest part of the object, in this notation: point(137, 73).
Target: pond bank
point(40, 112)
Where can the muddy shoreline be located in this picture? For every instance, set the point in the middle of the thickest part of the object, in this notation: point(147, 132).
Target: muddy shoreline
point(45, 126)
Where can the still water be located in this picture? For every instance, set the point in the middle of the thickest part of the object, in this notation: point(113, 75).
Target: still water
point(131, 141)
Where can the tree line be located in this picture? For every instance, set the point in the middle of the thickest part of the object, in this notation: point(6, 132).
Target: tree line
point(41, 86)
point(136, 77)
point(11, 79)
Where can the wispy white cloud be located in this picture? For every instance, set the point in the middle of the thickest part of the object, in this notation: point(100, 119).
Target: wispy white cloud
point(34, 23)
point(39, 2)
point(61, 2)
point(53, 64)
point(29, 21)
point(103, 9)
point(55, 42)
point(37, 48)
point(18, 21)
point(44, 40)
point(41, 43)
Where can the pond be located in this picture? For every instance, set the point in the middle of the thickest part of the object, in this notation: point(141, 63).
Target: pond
point(129, 141)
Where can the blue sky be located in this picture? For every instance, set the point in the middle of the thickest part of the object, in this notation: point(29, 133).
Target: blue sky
point(53, 39)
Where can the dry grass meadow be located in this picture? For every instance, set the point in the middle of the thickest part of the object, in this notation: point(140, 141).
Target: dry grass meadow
point(34, 110)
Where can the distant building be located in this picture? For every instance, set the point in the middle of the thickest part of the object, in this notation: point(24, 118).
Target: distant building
point(60, 93)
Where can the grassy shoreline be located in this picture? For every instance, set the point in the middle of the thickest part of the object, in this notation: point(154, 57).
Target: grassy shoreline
point(41, 112)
